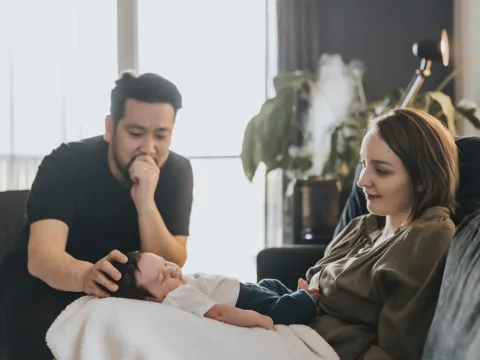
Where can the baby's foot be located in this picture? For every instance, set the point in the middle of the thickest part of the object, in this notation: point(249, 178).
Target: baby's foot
point(303, 285)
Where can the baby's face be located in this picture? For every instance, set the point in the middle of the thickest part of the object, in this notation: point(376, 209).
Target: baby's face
point(158, 276)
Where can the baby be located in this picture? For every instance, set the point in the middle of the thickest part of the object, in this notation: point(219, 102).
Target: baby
point(147, 276)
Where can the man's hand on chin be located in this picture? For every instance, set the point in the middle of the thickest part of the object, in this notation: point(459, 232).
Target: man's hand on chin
point(144, 174)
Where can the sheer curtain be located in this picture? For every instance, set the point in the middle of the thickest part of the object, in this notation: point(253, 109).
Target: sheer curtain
point(215, 51)
point(58, 62)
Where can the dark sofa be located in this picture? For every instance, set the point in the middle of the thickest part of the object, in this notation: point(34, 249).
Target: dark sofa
point(12, 216)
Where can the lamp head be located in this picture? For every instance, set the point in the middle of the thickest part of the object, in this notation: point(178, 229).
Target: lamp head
point(435, 50)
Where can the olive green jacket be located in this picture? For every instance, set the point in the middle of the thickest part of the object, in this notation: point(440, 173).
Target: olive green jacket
point(378, 302)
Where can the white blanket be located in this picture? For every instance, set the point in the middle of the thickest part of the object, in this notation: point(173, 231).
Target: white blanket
point(116, 329)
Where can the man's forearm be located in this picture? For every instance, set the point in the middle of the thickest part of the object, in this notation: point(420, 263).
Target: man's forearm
point(155, 237)
point(57, 268)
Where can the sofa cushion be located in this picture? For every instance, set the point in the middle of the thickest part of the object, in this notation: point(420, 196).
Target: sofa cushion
point(12, 216)
point(468, 195)
point(454, 331)
point(12, 219)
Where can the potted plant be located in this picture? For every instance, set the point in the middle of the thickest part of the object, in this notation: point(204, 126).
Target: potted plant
point(276, 137)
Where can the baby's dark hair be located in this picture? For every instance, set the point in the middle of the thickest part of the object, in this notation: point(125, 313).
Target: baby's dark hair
point(127, 285)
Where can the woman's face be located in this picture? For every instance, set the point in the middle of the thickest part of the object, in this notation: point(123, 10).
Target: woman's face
point(384, 179)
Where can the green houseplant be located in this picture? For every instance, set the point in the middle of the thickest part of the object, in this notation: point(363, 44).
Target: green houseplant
point(275, 135)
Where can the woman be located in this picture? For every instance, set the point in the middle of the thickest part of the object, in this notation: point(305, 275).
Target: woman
point(380, 277)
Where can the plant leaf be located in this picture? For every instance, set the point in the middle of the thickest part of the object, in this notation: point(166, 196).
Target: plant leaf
point(470, 114)
point(448, 109)
point(291, 80)
point(421, 101)
point(250, 151)
point(273, 127)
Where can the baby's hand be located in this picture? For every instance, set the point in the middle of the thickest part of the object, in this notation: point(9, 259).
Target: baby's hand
point(266, 322)
point(303, 285)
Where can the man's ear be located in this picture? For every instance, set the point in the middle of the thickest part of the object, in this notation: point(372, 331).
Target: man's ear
point(109, 128)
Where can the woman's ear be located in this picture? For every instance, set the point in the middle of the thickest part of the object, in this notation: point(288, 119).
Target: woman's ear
point(419, 188)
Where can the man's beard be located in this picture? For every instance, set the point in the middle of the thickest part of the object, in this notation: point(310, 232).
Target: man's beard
point(124, 169)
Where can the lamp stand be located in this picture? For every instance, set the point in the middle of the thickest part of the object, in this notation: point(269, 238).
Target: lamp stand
point(416, 82)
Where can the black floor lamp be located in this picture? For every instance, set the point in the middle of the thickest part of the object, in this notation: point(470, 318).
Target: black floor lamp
point(428, 51)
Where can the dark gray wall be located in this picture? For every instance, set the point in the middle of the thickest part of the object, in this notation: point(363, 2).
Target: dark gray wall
point(381, 33)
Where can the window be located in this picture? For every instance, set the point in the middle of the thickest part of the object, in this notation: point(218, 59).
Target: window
point(227, 223)
point(58, 68)
point(58, 60)
point(215, 52)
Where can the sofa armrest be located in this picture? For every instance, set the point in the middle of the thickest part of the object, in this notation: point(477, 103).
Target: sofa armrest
point(288, 263)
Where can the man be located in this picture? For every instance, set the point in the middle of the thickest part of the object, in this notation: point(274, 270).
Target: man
point(92, 202)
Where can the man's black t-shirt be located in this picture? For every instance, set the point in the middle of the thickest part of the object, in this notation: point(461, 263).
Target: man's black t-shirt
point(74, 185)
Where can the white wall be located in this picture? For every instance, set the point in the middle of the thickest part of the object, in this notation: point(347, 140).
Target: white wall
point(466, 44)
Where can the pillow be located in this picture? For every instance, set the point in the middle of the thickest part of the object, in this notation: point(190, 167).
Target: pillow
point(454, 331)
point(468, 194)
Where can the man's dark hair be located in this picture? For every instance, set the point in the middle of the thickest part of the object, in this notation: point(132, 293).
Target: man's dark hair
point(127, 285)
point(149, 88)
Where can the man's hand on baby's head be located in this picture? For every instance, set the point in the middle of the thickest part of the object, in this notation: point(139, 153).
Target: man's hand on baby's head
point(98, 275)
